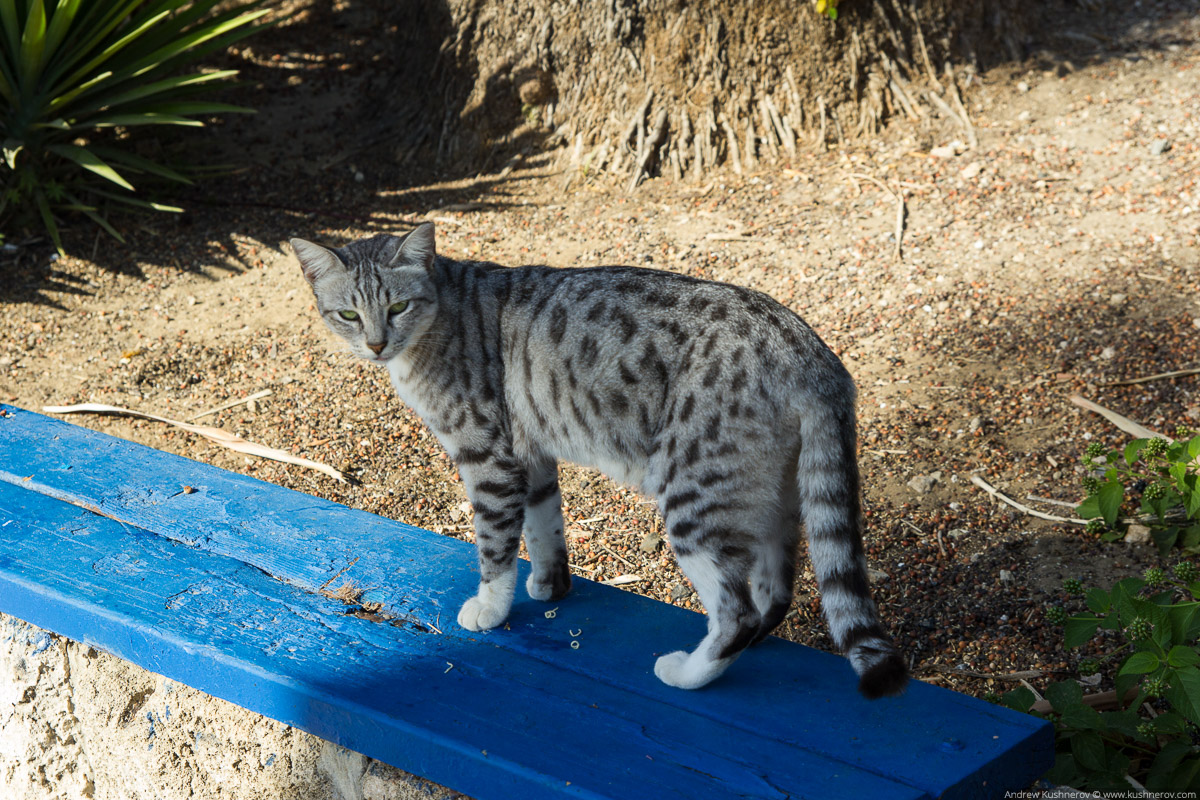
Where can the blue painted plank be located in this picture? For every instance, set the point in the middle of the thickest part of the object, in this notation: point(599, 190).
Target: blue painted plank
point(941, 742)
point(491, 725)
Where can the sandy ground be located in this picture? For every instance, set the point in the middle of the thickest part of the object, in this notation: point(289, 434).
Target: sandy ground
point(1060, 255)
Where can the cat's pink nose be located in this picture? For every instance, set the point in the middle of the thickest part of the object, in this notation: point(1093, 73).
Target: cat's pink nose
point(377, 348)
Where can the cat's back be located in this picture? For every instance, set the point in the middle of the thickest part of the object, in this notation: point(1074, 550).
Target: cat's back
point(654, 325)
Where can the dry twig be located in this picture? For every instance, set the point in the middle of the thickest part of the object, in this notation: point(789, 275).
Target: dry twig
point(221, 437)
point(994, 492)
point(1134, 429)
point(1156, 377)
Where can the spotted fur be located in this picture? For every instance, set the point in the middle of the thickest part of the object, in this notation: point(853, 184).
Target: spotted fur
point(712, 398)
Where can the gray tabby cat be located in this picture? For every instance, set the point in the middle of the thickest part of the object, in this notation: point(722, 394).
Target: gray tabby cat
point(714, 399)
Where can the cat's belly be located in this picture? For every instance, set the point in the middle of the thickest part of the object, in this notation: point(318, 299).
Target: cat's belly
point(620, 470)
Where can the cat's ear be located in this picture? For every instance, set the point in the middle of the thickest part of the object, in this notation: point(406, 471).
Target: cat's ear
point(417, 248)
point(316, 261)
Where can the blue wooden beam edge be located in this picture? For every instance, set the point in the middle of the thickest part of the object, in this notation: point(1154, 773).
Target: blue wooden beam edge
point(226, 586)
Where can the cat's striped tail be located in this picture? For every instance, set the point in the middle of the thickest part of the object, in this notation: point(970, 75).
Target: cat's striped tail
point(827, 476)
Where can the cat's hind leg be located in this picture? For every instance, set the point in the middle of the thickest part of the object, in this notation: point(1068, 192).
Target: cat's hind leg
point(551, 577)
point(772, 585)
point(717, 556)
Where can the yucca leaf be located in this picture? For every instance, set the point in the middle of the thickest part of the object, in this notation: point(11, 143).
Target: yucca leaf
point(133, 201)
point(59, 102)
point(6, 87)
point(161, 114)
point(137, 164)
point(43, 207)
point(171, 20)
point(33, 42)
point(89, 161)
point(89, 33)
point(127, 95)
point(95, 217)
point(145, 118)
point(188, 43)
point(11, 25)
point(103, 56)
point(60, 24)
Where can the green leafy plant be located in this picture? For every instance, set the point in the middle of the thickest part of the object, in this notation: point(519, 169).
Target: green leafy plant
point(1152, 739)
point(827, 8)
point(1164, 471)
point(79, 77)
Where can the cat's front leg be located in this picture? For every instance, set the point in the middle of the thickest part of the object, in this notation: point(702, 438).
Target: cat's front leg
point(497, 489)
point(551, 577)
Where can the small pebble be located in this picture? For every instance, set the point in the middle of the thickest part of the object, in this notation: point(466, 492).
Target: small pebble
point(1160, 146)
point(1137, 534)
point(650, 542)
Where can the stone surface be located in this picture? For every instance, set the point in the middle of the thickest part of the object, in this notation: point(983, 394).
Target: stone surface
point(78, 724)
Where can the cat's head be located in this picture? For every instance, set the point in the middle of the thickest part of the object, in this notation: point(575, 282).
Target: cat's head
point(375, 293)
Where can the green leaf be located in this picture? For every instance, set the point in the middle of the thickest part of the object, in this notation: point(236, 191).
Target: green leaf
point(1165, 763)
point(33, 42)
point(1083, 717)
point(1191, 496)
point(1019, 699)
point(90, 161)
point(1123, 684)
point(11, 25)
point(1065, 771)
point(1132, 449)
point(1140, 663)
point(1169, 722)
point(1165, 539)
point(139, 91)
point(1185, 775)
point(131, 120)
point(137, 203)
point(1182, 656)
point(1125, 722)
point(1184, 693)
point(1189, 537)
point(136, 164)
point(1185, 621)
point(1079, 630)
point(1098, 601)
point(1110, 496)
point(1088, 749)
point(1178, 471)
point(1063, 695)
point(60, 24)
point(48, 219)
point(1089, 508)
point(1193, 447)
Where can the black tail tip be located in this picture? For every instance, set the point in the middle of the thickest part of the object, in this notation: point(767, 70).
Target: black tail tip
point(886, 678)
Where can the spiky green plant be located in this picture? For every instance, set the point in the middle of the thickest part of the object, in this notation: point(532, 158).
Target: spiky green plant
point(77, 77)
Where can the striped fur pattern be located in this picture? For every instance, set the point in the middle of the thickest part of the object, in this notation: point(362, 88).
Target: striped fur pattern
point(714, 399)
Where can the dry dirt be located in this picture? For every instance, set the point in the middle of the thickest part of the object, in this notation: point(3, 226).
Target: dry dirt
point(1058, 256)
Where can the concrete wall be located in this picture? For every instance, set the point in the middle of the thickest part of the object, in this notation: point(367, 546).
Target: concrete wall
point(76, 723)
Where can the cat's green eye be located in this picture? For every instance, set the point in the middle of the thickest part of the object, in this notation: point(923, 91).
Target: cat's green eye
point(349, 316)
point(398, 308)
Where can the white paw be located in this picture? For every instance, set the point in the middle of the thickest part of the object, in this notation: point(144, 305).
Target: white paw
point(538, 590)
point(671, 669)
point(477, 615)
